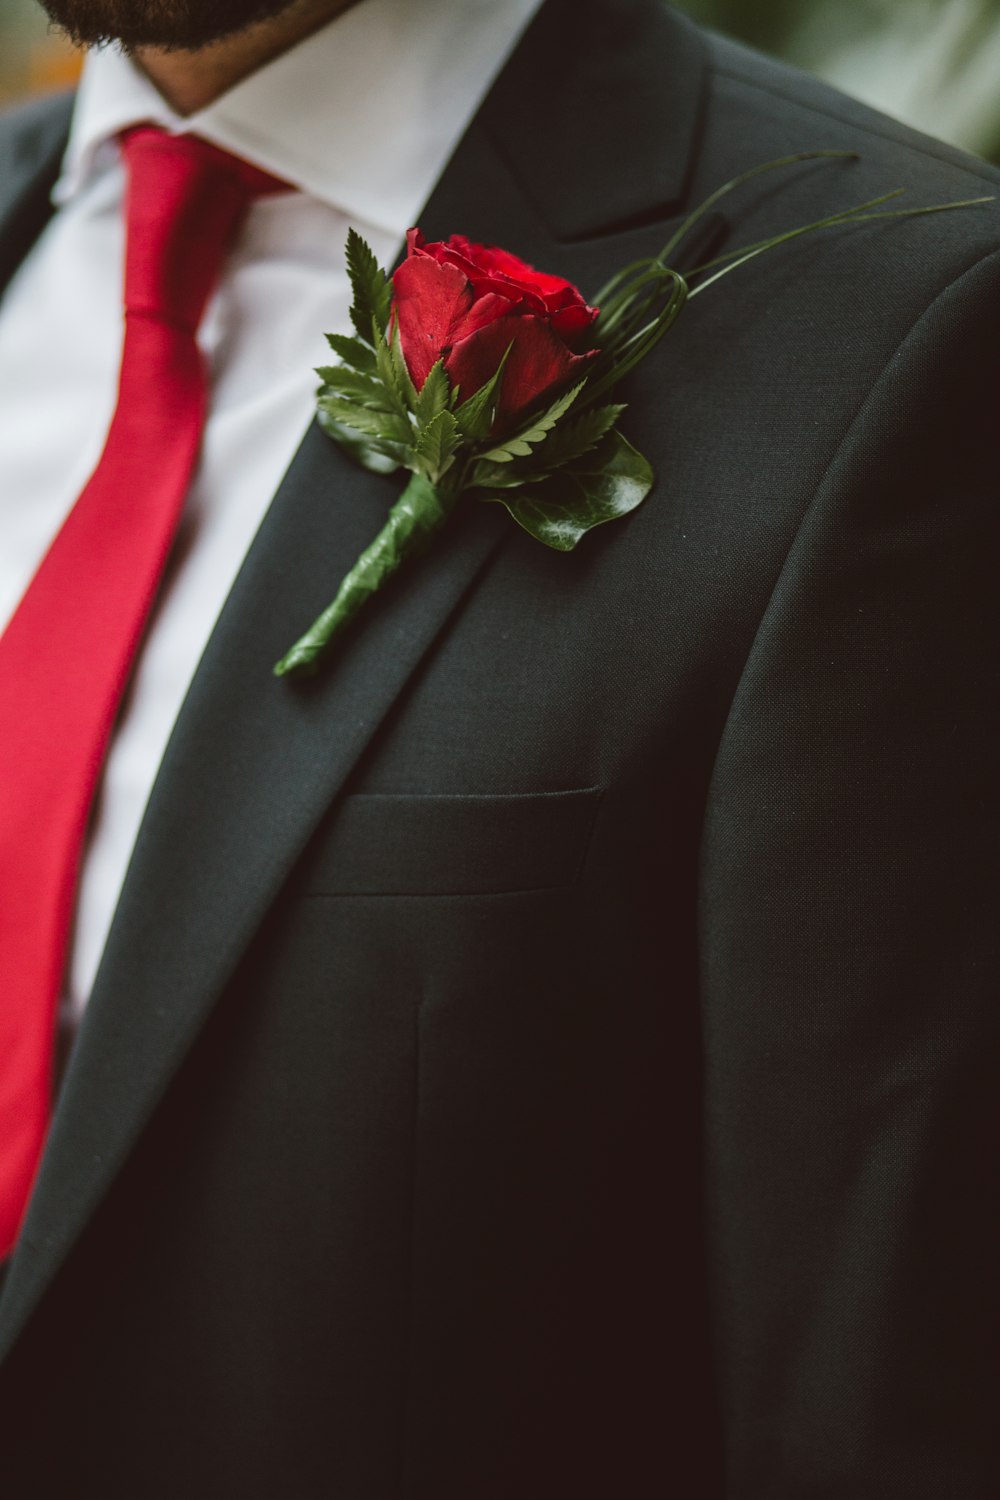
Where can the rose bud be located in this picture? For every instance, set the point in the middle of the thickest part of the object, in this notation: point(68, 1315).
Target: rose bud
point(466, 304)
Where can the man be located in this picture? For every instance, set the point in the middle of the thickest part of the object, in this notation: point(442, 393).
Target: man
point(552, 1053)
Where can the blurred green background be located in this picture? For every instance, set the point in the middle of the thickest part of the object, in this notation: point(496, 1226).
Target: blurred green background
point(933, 63)
point(32, 60)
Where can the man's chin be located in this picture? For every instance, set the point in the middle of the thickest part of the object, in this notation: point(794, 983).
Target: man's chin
point(169, 25)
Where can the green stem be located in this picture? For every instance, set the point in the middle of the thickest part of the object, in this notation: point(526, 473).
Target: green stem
point(765, 244)
point(641, 343)
point(735, 182)
point(618, 280)
point(417, 515)
point(850, 216)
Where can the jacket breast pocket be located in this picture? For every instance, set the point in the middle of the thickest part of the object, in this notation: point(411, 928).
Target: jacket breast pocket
point(392, 845)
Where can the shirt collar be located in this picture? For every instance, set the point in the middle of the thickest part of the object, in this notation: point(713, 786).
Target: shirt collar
point(363, 114)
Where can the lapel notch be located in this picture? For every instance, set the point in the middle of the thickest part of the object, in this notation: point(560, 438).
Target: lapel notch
point(600, 132)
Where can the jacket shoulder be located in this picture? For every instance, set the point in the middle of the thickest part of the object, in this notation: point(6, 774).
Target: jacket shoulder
point(785, 96)
point(757, 109)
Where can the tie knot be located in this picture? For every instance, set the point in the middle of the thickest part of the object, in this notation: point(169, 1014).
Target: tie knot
point(186, 200)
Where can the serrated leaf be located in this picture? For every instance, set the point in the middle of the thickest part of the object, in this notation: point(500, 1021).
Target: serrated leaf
point(372, 291)
point(404, 381)
point(360, 356)
point(569, 441)
point(521, 444)
point(434, 396)
point(476, 416)
point(379, 455)
point(436, 446)
point(389, 371)
point(367, 390)
point(606, 485)
point(575, 437)
point(376, 424)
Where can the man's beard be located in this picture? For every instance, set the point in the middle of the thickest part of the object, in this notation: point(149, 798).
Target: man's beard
point(172, 24)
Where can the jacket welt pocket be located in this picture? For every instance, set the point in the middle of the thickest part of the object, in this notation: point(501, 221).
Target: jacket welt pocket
point(388, 845)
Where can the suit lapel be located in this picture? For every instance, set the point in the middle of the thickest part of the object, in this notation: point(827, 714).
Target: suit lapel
point(254, 763)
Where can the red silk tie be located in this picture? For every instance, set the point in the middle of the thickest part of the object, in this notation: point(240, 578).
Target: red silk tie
point(66, 655)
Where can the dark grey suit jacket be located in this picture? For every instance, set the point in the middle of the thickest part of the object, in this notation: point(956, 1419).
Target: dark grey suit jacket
point(554, 1053)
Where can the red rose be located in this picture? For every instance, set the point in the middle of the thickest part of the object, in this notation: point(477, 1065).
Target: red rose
point(466, 303)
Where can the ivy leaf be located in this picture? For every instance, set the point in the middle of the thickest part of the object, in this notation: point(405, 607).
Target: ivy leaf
point(476, 416)
point(434, 396)
point(380, 455)
point(521, 444)
point(436, 446)
point(372, 291)
point(376, 424)
point(360, 356)
point(563, 508)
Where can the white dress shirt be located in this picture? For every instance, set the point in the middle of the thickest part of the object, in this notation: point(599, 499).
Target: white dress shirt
point(361, 117)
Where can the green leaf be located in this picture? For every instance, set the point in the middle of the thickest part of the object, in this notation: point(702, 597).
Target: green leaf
point(379, 455)
point(403, 379)
point(434, 396)
point(576, 437)
point(521, 444)
point(378, 424)
point(395, 377)
point(352, 385)
point(567, 443)
point(476, 416)
point(360, 356)
point(486, 476)
point(436, 446)
point(603, 487)
point(372, 291)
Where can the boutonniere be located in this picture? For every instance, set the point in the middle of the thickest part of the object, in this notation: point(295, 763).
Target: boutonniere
point(489, 382)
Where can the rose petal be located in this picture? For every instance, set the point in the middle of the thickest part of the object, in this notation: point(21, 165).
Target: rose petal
point(573, 322)
point(491, 283)
point(450, 293)
point(484, 282)
point(548, 287)
point(431, 301)
point(488, 309)
point(555, 291)
point(539, 364)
